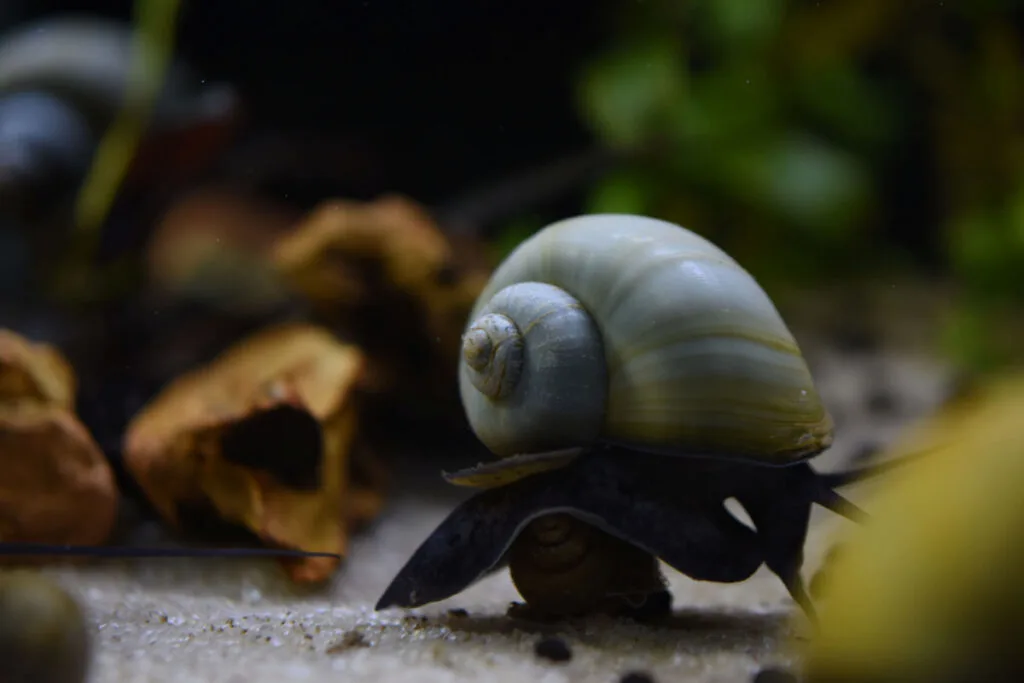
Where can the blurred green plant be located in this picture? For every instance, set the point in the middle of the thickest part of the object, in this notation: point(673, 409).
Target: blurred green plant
point(780, 129)
point(154, 24)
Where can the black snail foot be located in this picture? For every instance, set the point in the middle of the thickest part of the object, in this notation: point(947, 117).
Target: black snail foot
point(670, 507)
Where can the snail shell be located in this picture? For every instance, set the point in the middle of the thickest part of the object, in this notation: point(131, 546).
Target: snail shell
point(631, 330)
point(43, 633)
point(563, 566)
point(88, 62)
point(62, 82)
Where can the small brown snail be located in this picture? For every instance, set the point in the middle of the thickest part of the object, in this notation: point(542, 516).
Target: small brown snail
point(632, 377)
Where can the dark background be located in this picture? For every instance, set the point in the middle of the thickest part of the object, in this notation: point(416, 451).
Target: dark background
point(442, 95)
point(917, 104)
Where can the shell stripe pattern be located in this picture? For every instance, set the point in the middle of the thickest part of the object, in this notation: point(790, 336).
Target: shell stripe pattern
point(698, 357)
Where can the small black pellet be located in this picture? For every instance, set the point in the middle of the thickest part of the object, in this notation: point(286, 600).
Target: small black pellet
point(447, 274)
point(554, 649)
point(881, 402)
point(458, 613)
point(657, 606)
point(773, 674)
point(637, 677)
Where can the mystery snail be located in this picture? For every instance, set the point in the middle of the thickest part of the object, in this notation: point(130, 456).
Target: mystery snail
point(632, 377)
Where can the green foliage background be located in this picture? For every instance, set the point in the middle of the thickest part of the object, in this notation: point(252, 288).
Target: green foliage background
point(780, 129)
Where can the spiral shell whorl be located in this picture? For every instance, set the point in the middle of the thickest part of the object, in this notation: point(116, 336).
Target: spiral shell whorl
point(532, 373)
point(561, 565)
point(493, 351)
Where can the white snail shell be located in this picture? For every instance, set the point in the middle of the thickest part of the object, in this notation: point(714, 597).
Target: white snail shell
point(632, 330)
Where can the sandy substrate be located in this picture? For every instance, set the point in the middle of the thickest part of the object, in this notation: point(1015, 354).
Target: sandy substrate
point(234, 621)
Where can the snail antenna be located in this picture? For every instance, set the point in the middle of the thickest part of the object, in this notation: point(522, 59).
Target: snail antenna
point(840, 505)
point(835, 480)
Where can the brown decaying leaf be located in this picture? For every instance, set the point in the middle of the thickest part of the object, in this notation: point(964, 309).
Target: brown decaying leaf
point(184, 445)
point(214, 242)
point(351, 257)
point(55, 484)
point(392, 231)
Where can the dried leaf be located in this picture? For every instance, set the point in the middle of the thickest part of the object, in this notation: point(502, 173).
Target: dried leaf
point(394, 232)
point(395, 281)
point(214, 245)
point(34, 372)
point(264, 435)
point(56, 486)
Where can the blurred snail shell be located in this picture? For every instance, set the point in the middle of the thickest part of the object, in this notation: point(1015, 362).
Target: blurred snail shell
point(632, 330)
point(44, 146)
point(62, 82)
point(87, 61)
point(43, 636)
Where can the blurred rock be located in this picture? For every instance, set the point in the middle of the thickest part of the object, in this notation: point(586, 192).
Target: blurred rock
point(55, 485)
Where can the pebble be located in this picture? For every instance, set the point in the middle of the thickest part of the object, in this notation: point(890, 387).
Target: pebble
point(554, 649)
point(43, 635)
point(351, 640)
point(657, 606)
point(774, 675)
point(637, 677)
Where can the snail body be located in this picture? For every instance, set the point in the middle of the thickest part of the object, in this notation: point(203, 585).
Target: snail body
point(631, 374)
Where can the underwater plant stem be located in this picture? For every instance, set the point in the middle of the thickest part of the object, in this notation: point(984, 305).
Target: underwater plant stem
point(154, 32)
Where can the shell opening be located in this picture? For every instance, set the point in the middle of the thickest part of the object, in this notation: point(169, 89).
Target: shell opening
point(493, 351)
